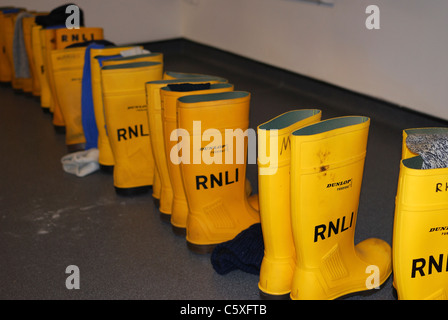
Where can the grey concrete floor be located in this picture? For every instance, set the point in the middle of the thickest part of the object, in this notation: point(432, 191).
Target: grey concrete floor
point(50, 219)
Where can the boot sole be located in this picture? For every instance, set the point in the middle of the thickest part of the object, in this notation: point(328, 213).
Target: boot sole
point(201, 249)
point(267, 296)
point(178, 231)
point(364, 293)
point(59, 129)
point(106, 169)
point(76, 147)
point(132, 191)
point(165, 217)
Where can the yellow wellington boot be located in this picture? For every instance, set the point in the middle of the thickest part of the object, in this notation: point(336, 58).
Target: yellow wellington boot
point(125, 109)
point(5, 66)
point(213, 166)
point(327, 163)
point(47, 41)
point(164, 199)
point(36, 61)
point(8, 25)
point(45, 95)
point(27, 82)
point(28, 23)
point(68, 68)
point(274, 163)
point(169, 96)
point(59, 39)
point(106, 158)
point(420, 238)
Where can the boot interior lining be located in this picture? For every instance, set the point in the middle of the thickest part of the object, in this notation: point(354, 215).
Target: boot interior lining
point(288, 118)
point(212, 86)
point(131, 65)
point(414, 162)
point(214, 96)
point(330, 124)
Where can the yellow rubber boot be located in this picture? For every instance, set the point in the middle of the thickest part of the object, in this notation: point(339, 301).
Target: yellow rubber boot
point(169, 96)
point(420, 227)
point(163, 194)
point(48, 40)
point(28, 83)
point(55, 39)
point(274, 190)
point(214, 172)
point(28, 23)
point(68, 68)
point(8, 25)
point(126, 120)
point(106, 158)
point(5, 65)
point(36, 60)
point(38, 53)
point(327, 163)
point(170, 75)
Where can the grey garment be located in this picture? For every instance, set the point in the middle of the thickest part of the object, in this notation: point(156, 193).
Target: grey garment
point(433, 148)
point(20, 56)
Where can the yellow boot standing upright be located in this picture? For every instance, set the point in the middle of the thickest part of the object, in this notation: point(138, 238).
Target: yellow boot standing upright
point(44, 89)
point(214, 168)
point(22, 41)
point(327, 163)
point(420, 242)
point(47, 41)
point(59, 39)
point(9, 20)
point(169, 96)
point(162, 189)
point(67, 72)
point(274, 164)
point(106, 158)
point(5, 65)
point(28, 24)
point(123, 89)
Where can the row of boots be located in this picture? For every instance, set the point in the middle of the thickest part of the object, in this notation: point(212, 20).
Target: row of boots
point(148, 125)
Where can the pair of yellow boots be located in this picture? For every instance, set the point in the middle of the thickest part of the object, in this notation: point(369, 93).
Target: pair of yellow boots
point(207, 202)
point(310, 175)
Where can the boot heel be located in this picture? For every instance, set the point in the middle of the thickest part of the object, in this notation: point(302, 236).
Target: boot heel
point(201, 249)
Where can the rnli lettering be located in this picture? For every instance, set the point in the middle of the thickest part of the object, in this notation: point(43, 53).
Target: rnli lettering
point(421, 265)
point(320, 231)
point(441, 187)
point(77, 37)
point(129, 132)
point(214, 180)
